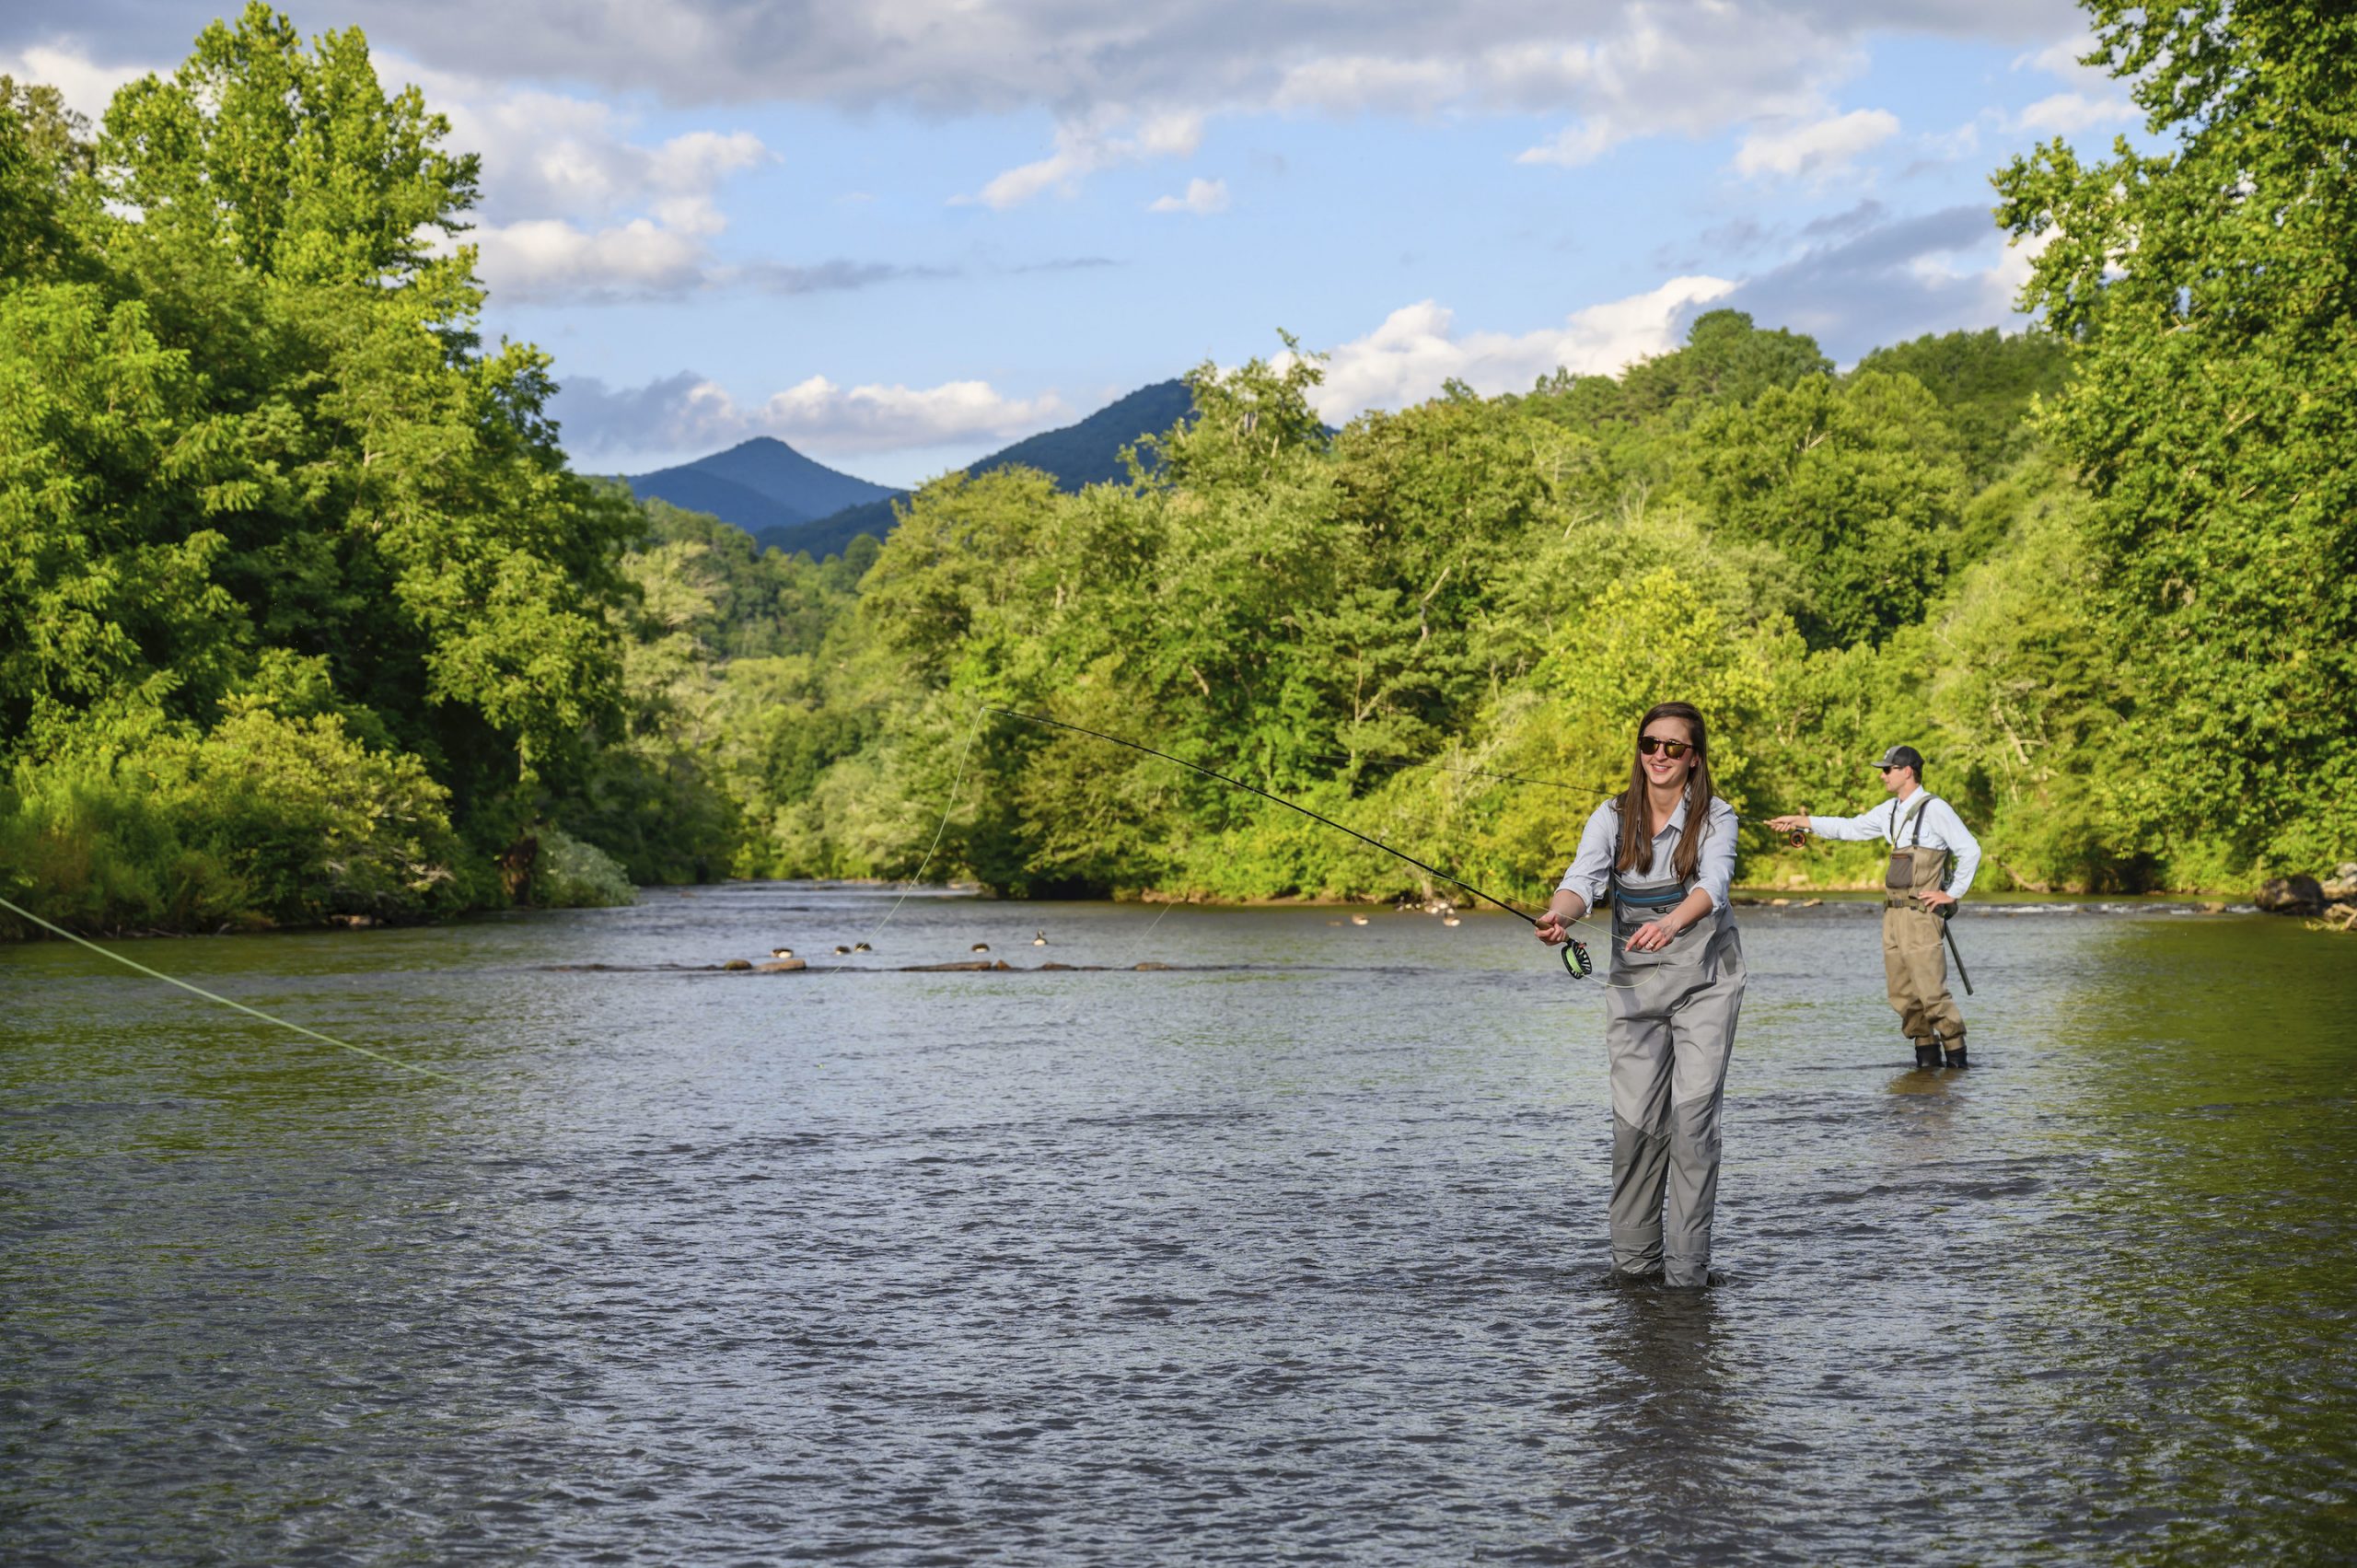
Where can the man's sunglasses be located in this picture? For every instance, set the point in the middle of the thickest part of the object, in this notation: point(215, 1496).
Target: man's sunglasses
point(1673, 749)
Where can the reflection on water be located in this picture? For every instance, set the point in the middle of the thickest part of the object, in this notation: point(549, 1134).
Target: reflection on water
point(1300, 1258)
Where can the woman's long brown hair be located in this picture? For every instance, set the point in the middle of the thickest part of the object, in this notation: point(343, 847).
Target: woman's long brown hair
point(1637, 806)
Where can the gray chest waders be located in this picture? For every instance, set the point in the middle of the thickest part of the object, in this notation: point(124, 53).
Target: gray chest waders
point(1669, 1028)
point(1915, 968)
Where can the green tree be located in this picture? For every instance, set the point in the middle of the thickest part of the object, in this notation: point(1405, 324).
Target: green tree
point(2209, 290)
point(246, 417)
point(1986, 383)
point(1858, 482)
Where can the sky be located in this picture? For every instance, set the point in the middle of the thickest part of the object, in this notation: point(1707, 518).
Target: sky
point(901, 234)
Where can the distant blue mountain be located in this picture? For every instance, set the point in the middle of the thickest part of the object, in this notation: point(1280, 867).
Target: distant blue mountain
point(759, 485)
point(1074, 457)
point(690, 489)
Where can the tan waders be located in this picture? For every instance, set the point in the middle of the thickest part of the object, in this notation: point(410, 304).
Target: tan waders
point(1668, 1035)
point(1912, 960)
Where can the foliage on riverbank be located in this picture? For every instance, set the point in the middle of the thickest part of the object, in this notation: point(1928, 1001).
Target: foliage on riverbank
point(304, 616)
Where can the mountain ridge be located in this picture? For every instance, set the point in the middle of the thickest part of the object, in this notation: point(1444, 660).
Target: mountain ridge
point(773, 493)
point(784, 486)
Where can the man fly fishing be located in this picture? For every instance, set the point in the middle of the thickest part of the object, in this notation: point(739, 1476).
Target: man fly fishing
point(1663, 849)
point(1933, 858)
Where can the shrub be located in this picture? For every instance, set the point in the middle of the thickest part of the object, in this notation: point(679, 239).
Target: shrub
point(574, 875)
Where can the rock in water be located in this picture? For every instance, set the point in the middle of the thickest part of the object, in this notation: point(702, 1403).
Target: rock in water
point(735, 965)
point(2290, 895)
point(2341, 885)
point(781, 966)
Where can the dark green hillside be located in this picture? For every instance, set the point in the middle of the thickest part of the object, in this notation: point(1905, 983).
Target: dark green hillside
point(1090, 452)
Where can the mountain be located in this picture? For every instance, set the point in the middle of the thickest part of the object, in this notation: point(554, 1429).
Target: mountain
point(759, 485)
point(1076, 456)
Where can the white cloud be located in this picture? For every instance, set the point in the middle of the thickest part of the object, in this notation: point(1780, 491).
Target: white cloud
point(1928, 273)
point(959, 57)
point(1084, 146)
point(1353, 84)
point(548, 259)
point(1204, 198)
point(574, 206)
point(576, 209)
point(687, 414)
point(2061, 57)
point(1127, 83)
point(1418, 347)
point(1819, 149)
point(2066, 112)
point(85, 87)
point(546, 155)
point(1669, 71)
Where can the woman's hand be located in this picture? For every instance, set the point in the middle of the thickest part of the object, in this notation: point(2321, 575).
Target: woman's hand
point(1654, 935)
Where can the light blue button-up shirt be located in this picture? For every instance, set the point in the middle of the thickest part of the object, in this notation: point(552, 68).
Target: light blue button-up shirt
point(1591, 866)
point(1942, 829)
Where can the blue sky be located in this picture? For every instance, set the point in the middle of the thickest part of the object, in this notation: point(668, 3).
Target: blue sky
point(900, 235)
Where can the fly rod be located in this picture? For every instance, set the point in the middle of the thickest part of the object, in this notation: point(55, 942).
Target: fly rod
point(1575, 959)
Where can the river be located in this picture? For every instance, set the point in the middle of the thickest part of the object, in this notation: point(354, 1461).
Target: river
point(1291, 1252)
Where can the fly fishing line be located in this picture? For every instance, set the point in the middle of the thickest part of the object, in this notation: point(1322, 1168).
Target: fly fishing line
point(223, 1001)
point(1576, 962)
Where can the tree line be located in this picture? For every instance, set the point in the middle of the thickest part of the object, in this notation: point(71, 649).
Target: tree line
point(303, 614)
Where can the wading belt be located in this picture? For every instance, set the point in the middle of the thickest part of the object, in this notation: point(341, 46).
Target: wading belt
point(1644, 903)
point(1648, 900)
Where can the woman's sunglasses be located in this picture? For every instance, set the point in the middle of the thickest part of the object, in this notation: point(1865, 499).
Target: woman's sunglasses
point(1673, 749)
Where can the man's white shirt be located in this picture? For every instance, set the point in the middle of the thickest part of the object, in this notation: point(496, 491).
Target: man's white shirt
point(1894, 822)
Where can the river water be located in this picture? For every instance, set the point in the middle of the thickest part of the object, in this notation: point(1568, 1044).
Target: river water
point(1291, 1252)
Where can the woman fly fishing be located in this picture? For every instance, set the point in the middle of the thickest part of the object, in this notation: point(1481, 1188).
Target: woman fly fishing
point(1663, 849)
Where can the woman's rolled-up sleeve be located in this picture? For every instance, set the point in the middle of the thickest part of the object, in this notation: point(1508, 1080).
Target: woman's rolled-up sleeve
point(1592, 862)
point(1714, 868)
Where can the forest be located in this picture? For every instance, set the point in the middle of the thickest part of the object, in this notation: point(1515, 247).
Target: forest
point(306, 617)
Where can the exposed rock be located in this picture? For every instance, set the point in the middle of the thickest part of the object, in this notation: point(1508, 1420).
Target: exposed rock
point(1046, 966)
point(2341, 885)
point(737, 965)
point(2290, 895)
point(977, 964)
point(783, 966)
point(1153, 965)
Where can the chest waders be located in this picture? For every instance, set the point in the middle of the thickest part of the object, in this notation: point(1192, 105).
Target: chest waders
point(1912, 963)
point(1670, 1028)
